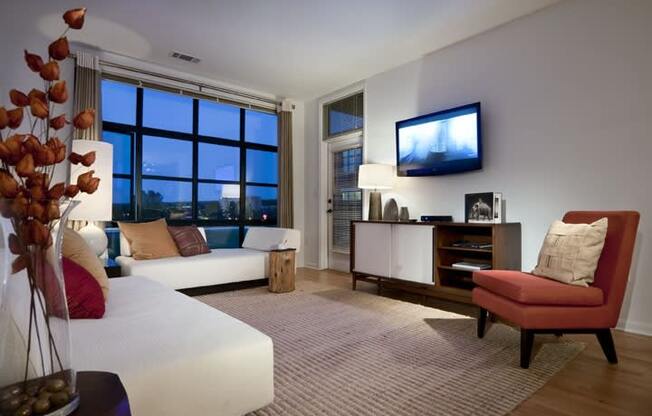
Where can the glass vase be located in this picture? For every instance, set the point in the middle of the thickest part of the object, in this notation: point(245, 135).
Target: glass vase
point(36, 372)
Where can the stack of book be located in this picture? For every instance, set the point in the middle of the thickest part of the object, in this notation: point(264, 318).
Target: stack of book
point(466, 265)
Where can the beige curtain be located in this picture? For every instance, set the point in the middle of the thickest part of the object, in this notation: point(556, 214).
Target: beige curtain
point(285, 182)
point(87, 90)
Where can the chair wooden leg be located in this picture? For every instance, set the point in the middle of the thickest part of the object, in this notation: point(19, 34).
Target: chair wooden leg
point(482, 322)
point(527, 340)
point(607, 344)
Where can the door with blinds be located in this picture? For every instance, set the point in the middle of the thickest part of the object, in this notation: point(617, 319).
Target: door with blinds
point(345, 203)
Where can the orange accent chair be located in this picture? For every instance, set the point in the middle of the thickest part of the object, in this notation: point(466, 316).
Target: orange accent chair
point(539, 305)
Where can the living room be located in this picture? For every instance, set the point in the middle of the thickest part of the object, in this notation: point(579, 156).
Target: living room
point(257, 241)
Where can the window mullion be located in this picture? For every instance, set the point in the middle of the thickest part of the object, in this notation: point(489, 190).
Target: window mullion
point(138, 156)
point(195, 158)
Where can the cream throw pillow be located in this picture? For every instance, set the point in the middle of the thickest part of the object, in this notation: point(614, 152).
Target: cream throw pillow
point(570, 252)
point(75, 248)
point(149, 240)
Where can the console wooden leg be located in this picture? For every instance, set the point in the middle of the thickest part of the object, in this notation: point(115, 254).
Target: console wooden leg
point(527, 340)
point(482, 322)
point(607, 344)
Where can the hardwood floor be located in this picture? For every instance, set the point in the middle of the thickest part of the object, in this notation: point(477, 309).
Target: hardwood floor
point(589, 385)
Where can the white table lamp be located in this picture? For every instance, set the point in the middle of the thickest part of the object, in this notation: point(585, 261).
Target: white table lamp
point(375, 176)
point(97, 206)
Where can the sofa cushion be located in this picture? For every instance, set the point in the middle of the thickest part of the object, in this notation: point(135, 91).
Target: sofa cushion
point(226, 265)
point(149, 240)
point(268, 238)
point(76, 249)
point(189, 240)
point(532, 290)
point(83, 293)
point(570, 252)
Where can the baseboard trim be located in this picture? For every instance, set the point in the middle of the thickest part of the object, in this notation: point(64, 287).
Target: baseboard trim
point(640, 328)
point(313, 266)
point(226, 287)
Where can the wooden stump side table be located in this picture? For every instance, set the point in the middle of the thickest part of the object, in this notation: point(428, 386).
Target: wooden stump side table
point(281, 270)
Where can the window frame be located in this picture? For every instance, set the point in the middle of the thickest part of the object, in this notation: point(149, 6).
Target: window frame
point(326, 136)
point(136, 134)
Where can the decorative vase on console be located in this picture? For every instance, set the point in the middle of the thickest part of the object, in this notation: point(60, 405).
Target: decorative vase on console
point(36, 370)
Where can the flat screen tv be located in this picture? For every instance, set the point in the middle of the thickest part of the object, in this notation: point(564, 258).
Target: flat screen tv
point(440, 143)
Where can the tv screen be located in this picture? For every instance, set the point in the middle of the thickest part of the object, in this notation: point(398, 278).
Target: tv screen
point(439, 143)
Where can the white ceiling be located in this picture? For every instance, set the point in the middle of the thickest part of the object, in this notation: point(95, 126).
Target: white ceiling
point(290, 48)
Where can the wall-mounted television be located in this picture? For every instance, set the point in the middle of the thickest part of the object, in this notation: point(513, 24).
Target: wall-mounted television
point(440, 143)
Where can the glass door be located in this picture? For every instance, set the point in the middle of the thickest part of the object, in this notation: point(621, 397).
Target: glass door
point(345, 203)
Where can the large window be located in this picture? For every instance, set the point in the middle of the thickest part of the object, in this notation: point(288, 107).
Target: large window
point(190, 161)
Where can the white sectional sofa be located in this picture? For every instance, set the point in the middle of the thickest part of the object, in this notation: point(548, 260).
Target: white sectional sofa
point(174, 354)
point(220, 266)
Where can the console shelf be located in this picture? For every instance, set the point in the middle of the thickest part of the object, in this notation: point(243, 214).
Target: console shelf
point(421, 262)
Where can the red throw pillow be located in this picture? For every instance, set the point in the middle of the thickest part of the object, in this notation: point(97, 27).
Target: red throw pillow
point(189, 240)
point(83, 292)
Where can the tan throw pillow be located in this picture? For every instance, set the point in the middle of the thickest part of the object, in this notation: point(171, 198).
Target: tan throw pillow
point(75, 248)
point(149, 240)
point(570, 252)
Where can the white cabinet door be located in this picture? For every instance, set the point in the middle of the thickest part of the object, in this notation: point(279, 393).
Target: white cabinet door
point(372, 248)
point(412, 253)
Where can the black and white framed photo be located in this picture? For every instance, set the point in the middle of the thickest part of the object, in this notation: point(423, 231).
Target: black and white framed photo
point(484, 207)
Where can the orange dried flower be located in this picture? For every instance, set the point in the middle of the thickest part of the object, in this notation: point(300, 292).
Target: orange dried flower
point(8, 185)
point(58, 93)
point(4, 118)
point(59, 49)
point(88, 159)
point(30, 142)
point(19, 264)
point(57, 191)
point(44, 156)
point(38, 192)
point(75, 18)
point(15, 117)
point(16, 149)
point(4, 152)
point(87, 183)
point(52, 210)
point(38, 179)
point(39, 95)
point(71, 191)
point(14, 245)
point(25, 167)
point(38, 232)
point(19, 206)
point(50, 71)
point(58, 148)
point(34, 62)
point(85, 119)
point(38, 108)
point(18, 98)
point(58, 122)
point(36, 210)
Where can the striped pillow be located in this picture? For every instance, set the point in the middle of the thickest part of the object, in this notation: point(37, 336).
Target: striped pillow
point(189, 240)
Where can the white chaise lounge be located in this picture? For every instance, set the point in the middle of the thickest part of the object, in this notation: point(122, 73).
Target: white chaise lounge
point(220, 266)
point(174, 354)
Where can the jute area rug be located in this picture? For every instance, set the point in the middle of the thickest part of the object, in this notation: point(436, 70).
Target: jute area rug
point(339, 352)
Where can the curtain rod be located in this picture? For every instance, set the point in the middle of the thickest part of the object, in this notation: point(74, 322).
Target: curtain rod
point(198, 84)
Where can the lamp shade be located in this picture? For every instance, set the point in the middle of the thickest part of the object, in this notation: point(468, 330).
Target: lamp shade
point(230, 191)
point(375, 176)
point(97, 206)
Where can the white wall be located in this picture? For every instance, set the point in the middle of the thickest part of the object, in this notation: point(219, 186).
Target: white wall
point(298, 160)
point(567, 123)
